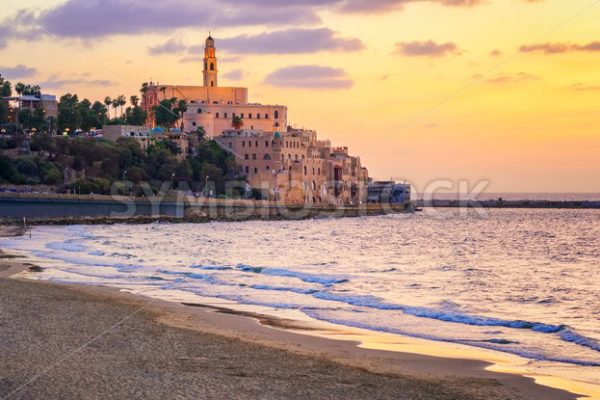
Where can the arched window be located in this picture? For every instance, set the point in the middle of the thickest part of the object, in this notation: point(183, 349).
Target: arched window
point(217, 115)
point(212, 66)
point(305, 170)
point(212, 84)
point(314, 185)
point(267, 157)
point(266, 116)
point(199, 111)
point(250, 116)
point(276, 114)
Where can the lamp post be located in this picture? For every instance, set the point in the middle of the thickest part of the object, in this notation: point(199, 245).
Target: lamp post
point(206, 187)
point(67, 130)
point(124, 175)
point(172, 179)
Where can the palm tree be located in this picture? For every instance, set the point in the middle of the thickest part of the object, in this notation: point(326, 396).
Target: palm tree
point(115, 104)
point(121, 101)
point(134, 100)
point(20, 88)
point(144, 88)
point(237, 122)
point(108, 103)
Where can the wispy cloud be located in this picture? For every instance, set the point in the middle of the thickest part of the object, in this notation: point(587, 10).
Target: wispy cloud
point(310, 77)
point(427, 49)
point(506, 78)
point(19, 71)
point(291, 41)
point(287, 41)
point(557, 48)
point(57, 82)
point(235, 75)
point(582, 87)
point(169, 47)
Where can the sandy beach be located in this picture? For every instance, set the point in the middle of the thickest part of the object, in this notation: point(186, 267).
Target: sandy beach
point(73, 342)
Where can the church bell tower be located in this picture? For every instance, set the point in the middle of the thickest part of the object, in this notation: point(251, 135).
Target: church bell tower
point(210, 63)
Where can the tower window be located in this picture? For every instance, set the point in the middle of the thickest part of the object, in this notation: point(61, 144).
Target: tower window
point(276, 114)
point(212, 84)
point(212, 66)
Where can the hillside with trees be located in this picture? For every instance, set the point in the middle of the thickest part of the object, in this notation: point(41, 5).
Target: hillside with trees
point(87, 165)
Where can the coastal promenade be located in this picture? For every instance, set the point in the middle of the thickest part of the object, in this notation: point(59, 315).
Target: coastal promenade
point(174, 207)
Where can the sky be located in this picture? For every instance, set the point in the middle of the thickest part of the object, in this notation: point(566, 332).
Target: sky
point(499, 93)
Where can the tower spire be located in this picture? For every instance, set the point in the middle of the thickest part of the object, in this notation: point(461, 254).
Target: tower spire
point(210, 63)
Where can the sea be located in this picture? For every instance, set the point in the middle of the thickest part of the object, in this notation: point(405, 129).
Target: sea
point(523, 282)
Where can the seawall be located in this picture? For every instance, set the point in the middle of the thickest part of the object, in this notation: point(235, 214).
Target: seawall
point(72, 209)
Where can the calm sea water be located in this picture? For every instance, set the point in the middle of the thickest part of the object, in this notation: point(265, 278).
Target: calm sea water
point(525, 282)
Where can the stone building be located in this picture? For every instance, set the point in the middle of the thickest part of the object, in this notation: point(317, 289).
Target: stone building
point(296, 168)
point(213, 107)
point(285, 164)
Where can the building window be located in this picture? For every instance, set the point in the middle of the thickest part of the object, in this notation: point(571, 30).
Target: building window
point(233, 115)
point(247, 169)
point(266, 116)
point(319, 171)
point(296, 157)
point(225, 115)
point(276, 114)
point(199, 111)
point(267, 168)
point(193, 123)
point(257, 116)
point(212, 66)
point(256, 170)
point(242, 116)
point(266, 143)
point(305, 170)
point(246, 156)
point(217, 114)
point(230, 145)
point(244, 143)
point(277, 124)
point(250, 116)
point(267, 157)
point(256, 143)
point(254, 156)
point(212, 84)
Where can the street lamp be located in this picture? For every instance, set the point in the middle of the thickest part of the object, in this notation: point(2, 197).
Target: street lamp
point(172, 179)
point(67, 130)
point(124, 175)
point(206, 187)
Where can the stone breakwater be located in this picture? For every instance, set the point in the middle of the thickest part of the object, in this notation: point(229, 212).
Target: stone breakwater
point(69, 210)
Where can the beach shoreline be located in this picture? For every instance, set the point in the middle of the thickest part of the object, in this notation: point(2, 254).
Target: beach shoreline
point(413, 375)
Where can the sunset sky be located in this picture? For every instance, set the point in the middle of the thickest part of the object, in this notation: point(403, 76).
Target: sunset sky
point(500, 90)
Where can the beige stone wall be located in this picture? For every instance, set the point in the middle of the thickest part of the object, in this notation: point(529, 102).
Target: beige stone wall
point(217, 118)
point(296, 168)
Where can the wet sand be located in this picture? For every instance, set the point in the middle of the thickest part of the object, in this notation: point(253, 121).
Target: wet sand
point(72, 342)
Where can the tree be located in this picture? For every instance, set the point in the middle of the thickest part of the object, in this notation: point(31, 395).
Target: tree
point(100, 111)
point(115, 104)
point(201, 133)
point(19, 88)
point(144, 88)
point(68, 113)
point(134, 100)
point(5, 87)
point(108, 103)
point(237, 122)
point(136, 116)
point(121, 101)
point(164, 114)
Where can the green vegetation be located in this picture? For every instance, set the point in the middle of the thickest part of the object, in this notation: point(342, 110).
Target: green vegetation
point(103, 167)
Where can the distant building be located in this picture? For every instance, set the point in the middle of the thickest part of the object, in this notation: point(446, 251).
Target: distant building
point(147, 136)
point(213, 107)
point(389, 192)
point(46, 102)
point(296, 168)
point(139, 133)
